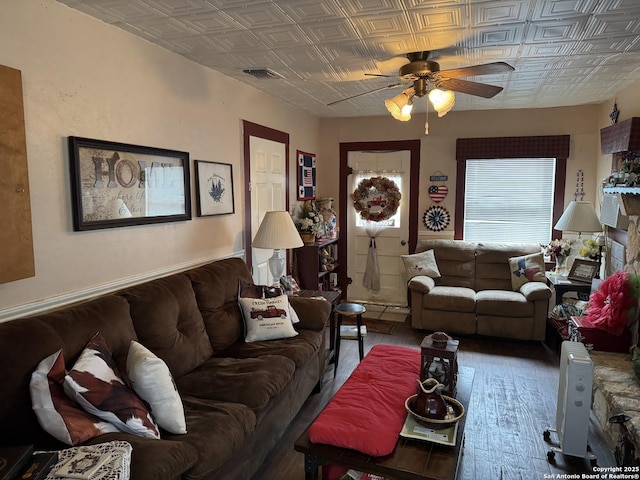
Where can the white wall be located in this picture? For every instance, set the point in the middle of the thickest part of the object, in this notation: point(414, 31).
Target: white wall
point(82, 77)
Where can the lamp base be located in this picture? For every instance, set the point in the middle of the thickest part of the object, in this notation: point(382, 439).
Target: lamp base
point(276, 265)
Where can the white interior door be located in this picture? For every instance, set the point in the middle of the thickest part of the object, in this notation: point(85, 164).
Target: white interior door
point(268, 192)
point(391, 242)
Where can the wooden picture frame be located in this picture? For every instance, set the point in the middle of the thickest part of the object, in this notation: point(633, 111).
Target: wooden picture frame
point(583, 270)
point(119, 185)
point(306, 169)
point(214, 187)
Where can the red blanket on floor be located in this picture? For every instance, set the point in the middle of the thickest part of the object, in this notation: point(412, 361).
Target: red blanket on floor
point(368, 411)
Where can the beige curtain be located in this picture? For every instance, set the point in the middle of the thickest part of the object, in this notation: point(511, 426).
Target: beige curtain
point(371, 278)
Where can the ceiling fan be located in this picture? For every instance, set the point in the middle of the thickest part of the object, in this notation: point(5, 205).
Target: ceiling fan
point(424, 73)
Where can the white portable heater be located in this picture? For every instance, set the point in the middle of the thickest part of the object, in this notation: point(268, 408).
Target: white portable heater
point(574, 403)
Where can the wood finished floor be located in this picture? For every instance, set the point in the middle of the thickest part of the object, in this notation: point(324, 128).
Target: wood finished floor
point(513, 401)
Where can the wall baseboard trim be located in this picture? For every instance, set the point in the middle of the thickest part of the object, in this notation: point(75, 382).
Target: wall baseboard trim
point(54, 303)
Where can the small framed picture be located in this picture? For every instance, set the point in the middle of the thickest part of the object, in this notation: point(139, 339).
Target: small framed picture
point(583, 270)
point(306, 175)
point(214, 186)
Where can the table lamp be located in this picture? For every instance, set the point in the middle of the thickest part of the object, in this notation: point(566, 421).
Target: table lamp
point(579, 217)
point(277, 231)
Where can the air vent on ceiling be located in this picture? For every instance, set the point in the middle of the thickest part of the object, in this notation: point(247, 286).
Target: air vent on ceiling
point(262, 73)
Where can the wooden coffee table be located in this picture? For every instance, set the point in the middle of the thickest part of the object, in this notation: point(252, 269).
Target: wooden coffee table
point(411, 459)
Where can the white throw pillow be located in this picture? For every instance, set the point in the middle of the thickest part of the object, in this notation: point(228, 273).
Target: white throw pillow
point(151, 379)
point(266, 318)
point(423, 263)
point(527, 268)
point(292, 314)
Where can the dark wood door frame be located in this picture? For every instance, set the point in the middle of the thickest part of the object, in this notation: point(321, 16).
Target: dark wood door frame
point(254, 130)
point(414, 175)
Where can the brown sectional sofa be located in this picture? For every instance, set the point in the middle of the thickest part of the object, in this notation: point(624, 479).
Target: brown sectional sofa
point(238, 397)
point(474, 293)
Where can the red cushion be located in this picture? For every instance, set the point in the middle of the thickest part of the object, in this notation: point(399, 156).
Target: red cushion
point(368, 411)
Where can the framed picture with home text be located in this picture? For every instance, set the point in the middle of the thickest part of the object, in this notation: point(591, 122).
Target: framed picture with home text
point(119, 185)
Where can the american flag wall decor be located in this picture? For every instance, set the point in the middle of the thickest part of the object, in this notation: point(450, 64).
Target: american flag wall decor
point(306, 175)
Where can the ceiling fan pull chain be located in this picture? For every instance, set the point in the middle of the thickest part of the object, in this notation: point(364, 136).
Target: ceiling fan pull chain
point(426, 124)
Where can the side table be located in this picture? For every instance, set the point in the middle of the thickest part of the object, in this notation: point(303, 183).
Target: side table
point(556, 330)
point(562, 285)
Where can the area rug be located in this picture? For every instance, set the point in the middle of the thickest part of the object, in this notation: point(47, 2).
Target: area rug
point(374, 325)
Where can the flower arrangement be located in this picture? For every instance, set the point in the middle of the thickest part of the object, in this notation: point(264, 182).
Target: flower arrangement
point(309, 219)
point(590, 250)
point(558, 248)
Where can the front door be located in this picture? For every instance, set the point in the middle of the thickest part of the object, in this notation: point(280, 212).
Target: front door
point(384, 241)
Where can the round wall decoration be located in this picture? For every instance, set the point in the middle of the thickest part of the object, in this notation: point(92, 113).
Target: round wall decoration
point(376, 198)
point(436, 218)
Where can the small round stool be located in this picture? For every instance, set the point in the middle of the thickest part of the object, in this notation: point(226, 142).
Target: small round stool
point(349, 310)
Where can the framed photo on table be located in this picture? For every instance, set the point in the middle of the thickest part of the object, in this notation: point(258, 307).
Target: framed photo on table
point(583, 270)
point(214, 187)
point(118, 184)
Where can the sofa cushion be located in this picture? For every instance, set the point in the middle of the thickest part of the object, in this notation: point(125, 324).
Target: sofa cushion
point(526, 268)
point(503, 303)
point(167, 321)
point(455, 299)
point(456, 261)
point(215, 430)
point(108, 315)
point(250, 381)
point(299, 349)
point(61, 417)
point(151, 379)
point(96, 385)
point(493, 271)
point(266, 319)
point(217, 297)
point(422, 263)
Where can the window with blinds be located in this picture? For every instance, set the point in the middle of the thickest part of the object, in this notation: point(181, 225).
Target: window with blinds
point(509, 200)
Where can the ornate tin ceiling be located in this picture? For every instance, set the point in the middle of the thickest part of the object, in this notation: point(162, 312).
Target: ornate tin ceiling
point(565, 52)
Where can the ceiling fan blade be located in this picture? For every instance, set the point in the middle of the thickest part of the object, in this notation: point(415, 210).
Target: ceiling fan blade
point(380, 75)
point(365, 93)
point(486, 69)
point(471, 88)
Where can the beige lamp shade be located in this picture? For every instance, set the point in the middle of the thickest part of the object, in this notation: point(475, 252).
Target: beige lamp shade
point(277, 230)
point(579, 217)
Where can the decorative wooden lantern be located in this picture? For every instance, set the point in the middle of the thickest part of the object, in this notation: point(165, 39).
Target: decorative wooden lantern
point(439, 360)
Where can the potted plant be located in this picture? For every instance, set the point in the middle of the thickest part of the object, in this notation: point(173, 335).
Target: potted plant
point(309, 222)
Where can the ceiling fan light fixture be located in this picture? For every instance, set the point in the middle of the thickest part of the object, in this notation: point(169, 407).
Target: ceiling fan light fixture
point(399, 107)
point(442, 100)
